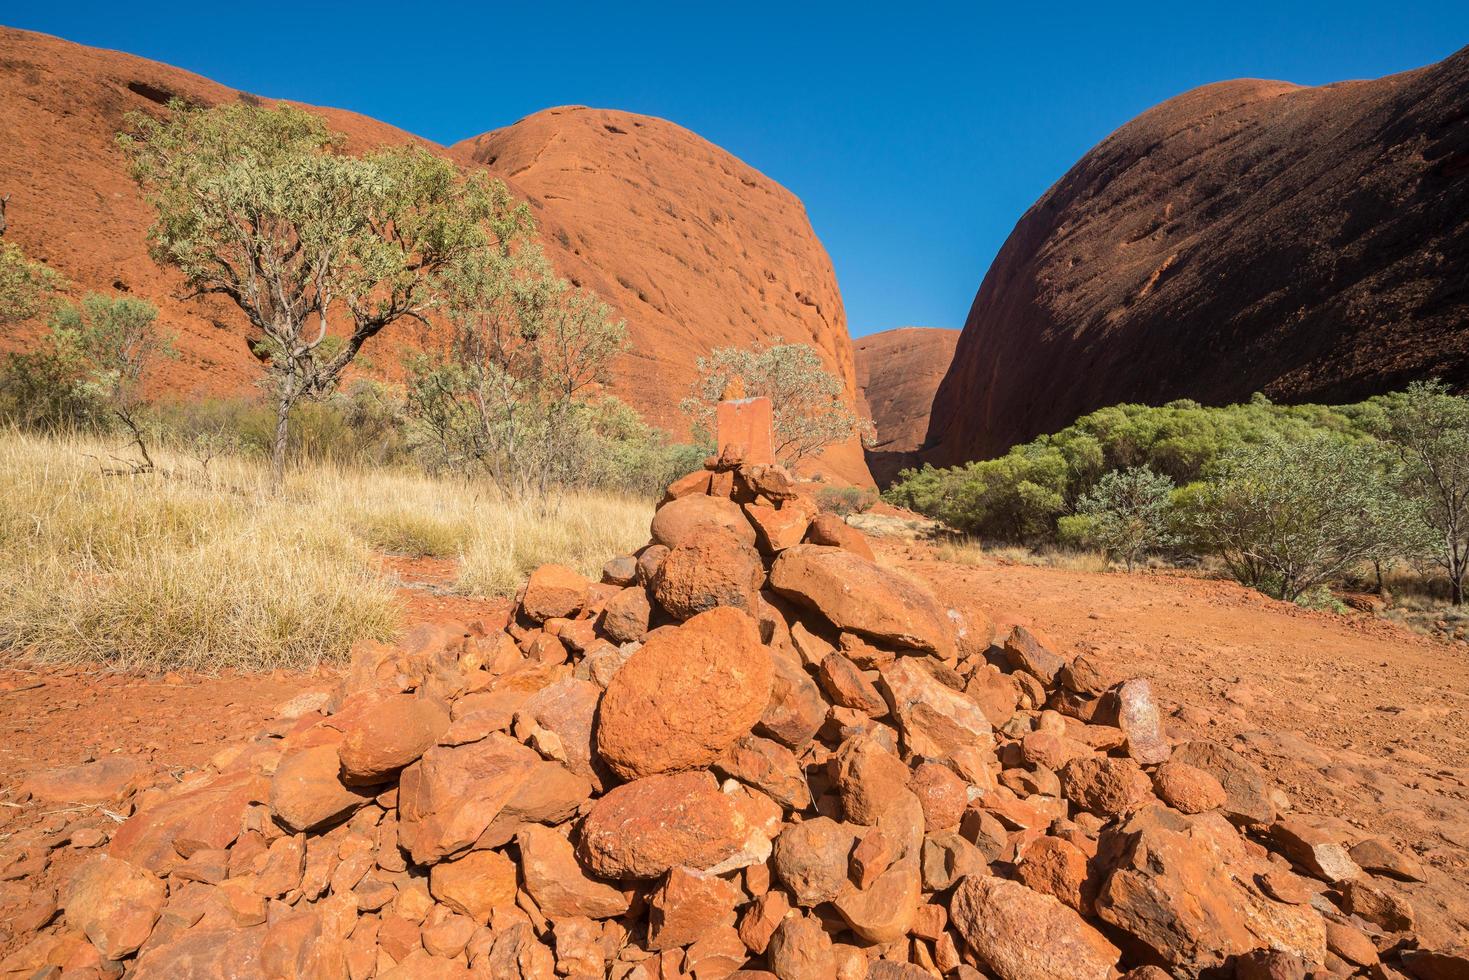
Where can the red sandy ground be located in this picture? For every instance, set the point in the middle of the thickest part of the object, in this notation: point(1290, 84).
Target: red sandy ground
point(1351, 716)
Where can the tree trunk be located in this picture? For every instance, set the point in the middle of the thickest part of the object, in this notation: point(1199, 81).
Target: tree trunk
point(278, 449)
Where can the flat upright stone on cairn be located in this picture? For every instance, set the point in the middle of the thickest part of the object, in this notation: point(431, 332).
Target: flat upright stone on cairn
point(819, 773)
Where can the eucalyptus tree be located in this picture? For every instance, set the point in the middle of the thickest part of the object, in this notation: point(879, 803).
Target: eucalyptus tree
point(322, 250)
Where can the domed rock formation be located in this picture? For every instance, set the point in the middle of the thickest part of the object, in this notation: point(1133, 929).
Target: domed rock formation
point(695, 249)
point(898, 372)
point(1246, 236)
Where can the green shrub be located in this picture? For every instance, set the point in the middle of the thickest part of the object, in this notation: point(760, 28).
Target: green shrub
point(1127, 514)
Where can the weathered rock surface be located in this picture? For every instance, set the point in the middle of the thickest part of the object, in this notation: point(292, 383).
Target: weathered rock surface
point(685, 696)
point(1244, 236)
point(898, 372)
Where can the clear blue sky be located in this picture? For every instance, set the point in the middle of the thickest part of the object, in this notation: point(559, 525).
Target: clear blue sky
point(915, 133)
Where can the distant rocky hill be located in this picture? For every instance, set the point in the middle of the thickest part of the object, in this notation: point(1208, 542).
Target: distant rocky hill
point(898, 372)
point(1310, 243)
point(696, 249)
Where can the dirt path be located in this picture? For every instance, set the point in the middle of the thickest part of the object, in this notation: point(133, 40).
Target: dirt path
point(1353, 717)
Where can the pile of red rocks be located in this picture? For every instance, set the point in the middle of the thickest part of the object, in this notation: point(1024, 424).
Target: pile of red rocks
point(748, 751)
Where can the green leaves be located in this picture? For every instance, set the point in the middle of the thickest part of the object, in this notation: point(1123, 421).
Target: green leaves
point(806, 399)
point(25, 286)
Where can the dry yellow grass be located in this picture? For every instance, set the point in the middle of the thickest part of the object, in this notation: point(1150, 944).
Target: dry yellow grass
point(180, 569)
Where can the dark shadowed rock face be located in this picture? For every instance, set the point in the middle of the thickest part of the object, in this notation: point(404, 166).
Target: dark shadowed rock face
point(898, 372)
point(1310, 243)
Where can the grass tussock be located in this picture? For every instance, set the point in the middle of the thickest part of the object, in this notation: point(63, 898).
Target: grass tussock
point(179, 569)
point(970, 551)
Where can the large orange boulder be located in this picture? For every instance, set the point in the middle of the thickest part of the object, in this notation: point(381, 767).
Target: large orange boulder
point(643, 828)
point(1023, 935)
point(115, 903)
point(676, 520)
point(710, 567)
point(307, 791)
point(382, 735)
point(857, 595)
point(685, 696)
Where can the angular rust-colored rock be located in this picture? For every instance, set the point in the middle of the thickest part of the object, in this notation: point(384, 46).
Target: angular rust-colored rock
point(685, 696)
point(206, 815)
point(1437, 964)
point(1186, 788)
point(1054, 867)
point(811, 859)
point(996, 693)
point(675, 521)
point(943, 796)
point(1266, 964)
point(688, 906)
point(115, 903)
point(102, 781)
point(448, 798)
point(307, 792)
point(777, 530)
point(1378, 857)
point(870, 779)
point(689, 484)
point(1246, 799)
point(643, 828)
point(846, 686)
point(935, 719)
point(833, 532)
point(567, 709)
point(1313, 849)
point(801, 950)
point(381, 736)
point(475, 884)
point(709, 568)
point(205, 953)
point(626, 615)
point(1024, 651)
point(796, 710)
point(768, 766)
point(1106, 786)
point(857, 595)
point(1181, 886)
point(554, 591)
point(559, 884)
point(1021, 934)
point(883, 912)
point(1390, 911)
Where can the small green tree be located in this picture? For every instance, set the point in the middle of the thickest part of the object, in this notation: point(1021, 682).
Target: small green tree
point(321, 250)
point(1428, 428)
point(806, 399)
point(1127, 513)
point(120, 342)
point(1286, 516)
point(24, 285)
point(511, 390)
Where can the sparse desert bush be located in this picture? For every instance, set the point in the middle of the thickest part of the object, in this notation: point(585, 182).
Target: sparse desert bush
point(25, 286)
point(845, 500)
point(1127, 514)
point(1288, 516)
point(180, 569)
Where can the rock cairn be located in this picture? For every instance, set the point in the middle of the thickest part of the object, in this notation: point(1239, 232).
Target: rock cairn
point(748, 751)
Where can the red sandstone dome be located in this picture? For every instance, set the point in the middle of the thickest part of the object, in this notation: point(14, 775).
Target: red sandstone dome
point(695, 249)
point(898, 372)
point(1309, 243)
